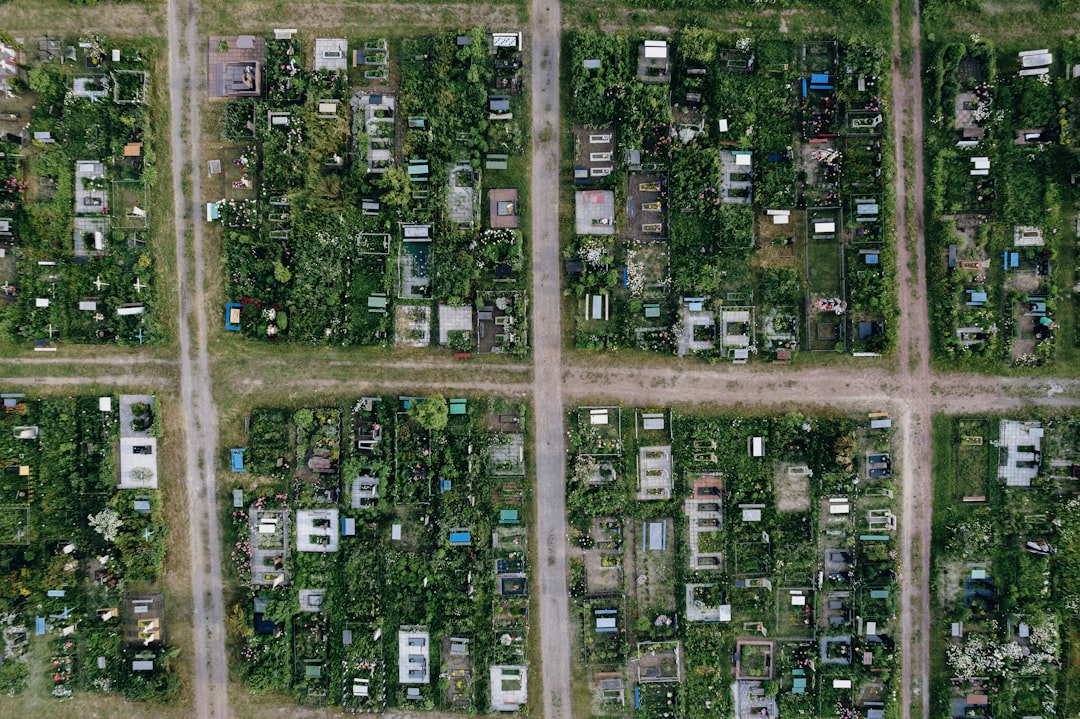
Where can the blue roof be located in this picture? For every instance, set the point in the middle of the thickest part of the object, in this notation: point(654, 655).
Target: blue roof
point(229, 307)
point(460, 538)
point(819, 78)
point(237, 456)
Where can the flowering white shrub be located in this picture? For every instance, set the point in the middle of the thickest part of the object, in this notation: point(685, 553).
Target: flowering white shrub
point(107, 523)
point(593, 252)
point(635, 273)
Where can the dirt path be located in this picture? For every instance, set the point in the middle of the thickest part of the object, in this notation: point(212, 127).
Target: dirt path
point(210, 672)
point(914, 366)
point(554, 624)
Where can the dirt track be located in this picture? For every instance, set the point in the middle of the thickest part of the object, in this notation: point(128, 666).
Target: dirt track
point(914, 365)
point(550, 565)
point(210, 675)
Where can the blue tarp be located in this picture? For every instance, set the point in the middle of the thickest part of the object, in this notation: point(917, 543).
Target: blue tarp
point(237, 456)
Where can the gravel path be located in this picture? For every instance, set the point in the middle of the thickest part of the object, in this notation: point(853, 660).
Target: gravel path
point(550, 573)
point(210, 675)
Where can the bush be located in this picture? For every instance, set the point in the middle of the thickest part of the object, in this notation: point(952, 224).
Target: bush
point(13, 675)
point(304, 418)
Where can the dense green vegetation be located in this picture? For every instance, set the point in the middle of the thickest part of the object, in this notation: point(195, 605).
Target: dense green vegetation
point(721, 132)
point(419, 466)
point(72, 543)
point(979, 107)
point(312, 220)
point(72, 264)
point(1004, 567)
point(758, 534)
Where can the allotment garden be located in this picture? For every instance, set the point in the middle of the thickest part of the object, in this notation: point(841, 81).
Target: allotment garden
point(371, 191)
point(731, 196)
point(1001, 166)
point(733, 566)
point(1006, 552)
point(77, 170)
point(381, 546)
point(82, 542)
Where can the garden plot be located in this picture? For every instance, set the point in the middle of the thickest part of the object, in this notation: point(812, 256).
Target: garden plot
point(77, 152)
point(434, 537)
point(457, 664)
point(652, 546)
point(594, 155)
point(239, 175)
point(601, 430)
point(976, 458)
point(792, 483)
point(658, 662)
point(414, 267)
point(604, 560)
point(718, 466)
point(1027, 303)
point(83, 554)
point(824, 267)
point(604, 632)
point(776, 242)
point(646, 207)
point(997, 124)
point(344, 156)
point(412, 325)
point(795, 613)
